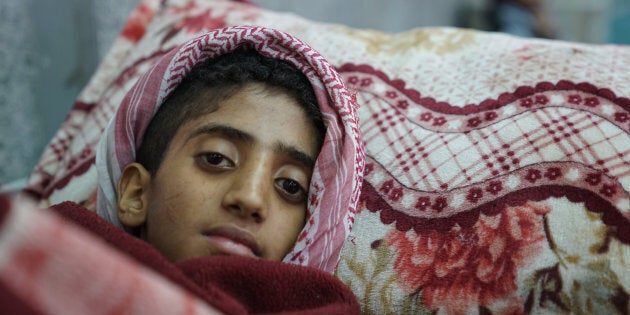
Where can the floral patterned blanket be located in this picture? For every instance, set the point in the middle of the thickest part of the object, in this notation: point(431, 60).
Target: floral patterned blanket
point(498, 168)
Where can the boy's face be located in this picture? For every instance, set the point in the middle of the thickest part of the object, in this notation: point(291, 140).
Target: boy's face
point(232, 182)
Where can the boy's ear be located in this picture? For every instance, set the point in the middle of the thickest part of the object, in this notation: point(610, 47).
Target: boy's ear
point(133, 195)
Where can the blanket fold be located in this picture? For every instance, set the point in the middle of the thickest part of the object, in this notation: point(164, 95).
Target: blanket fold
point(269, 287)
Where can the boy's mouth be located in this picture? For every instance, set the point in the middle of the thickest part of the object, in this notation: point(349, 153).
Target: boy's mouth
point(231, 240)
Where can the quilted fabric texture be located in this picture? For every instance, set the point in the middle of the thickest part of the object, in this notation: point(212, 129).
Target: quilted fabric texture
point(497, 168)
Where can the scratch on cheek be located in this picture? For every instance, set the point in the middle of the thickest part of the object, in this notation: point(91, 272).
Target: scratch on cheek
point(171, 207)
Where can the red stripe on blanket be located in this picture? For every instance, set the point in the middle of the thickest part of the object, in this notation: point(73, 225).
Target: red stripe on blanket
point(488, 104)
point(403, 222)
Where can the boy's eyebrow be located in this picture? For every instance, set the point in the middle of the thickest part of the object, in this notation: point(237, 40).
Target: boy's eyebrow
point(295, 154)
point(236, 134)
point(224, 130)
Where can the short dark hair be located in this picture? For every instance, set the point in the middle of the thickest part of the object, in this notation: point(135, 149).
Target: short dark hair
point(215, 80)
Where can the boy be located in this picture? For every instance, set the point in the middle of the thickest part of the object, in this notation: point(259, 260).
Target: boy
point(241, 142)
point(225, 164)
point(285, 125)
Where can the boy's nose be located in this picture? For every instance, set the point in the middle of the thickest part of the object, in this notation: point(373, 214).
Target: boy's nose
point(249, 191)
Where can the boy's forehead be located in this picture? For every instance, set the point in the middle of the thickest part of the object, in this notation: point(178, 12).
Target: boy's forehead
point(239, 101)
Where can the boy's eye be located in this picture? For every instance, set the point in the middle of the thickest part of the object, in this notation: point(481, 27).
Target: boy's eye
point(216, 160)
point(291, 188)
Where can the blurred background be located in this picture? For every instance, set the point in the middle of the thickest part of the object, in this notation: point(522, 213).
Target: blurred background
point(50, 48)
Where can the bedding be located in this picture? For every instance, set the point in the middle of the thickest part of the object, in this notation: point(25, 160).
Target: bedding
point(497, 175)
point(42, 272)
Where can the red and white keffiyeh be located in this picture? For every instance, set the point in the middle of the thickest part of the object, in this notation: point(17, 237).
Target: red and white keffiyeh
point(338, 172)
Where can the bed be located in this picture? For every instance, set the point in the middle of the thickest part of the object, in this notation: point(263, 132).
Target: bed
point(497, 176)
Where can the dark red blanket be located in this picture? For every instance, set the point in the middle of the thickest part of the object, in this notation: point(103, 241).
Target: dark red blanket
point(232, 285)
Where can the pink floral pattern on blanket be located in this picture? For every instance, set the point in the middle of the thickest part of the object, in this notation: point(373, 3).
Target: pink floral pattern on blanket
point(474, 265)
point(498, 169)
